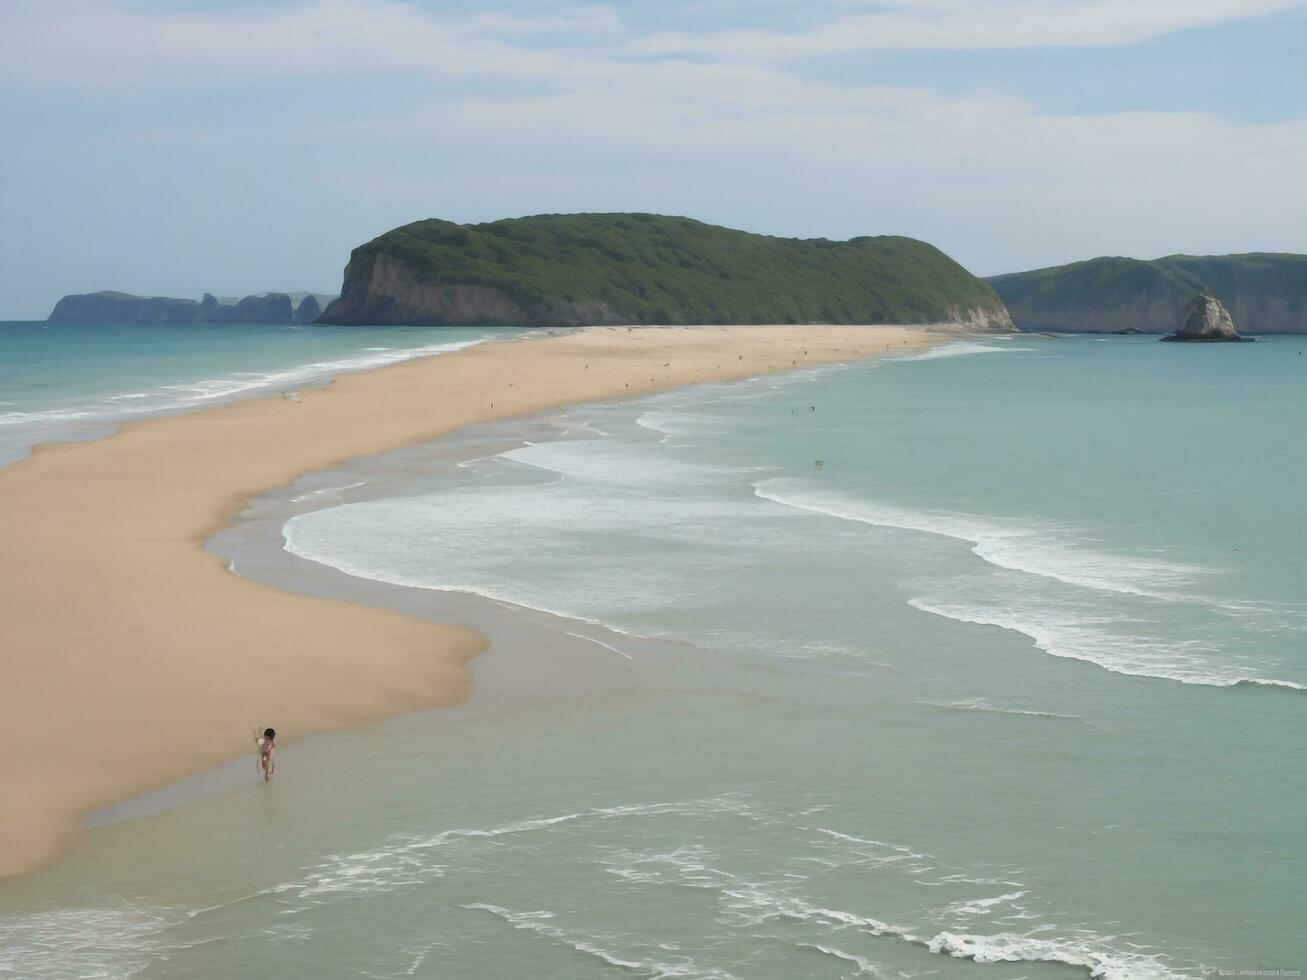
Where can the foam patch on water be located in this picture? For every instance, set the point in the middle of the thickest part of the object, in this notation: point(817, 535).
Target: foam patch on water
point(1090, 954)
point(81, 942)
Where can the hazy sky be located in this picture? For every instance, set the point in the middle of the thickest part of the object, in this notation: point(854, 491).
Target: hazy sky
point(176, 147)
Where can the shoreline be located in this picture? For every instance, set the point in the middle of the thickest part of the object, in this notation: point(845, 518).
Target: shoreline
point(532, 657)
point(92, 418)
point(154, 661)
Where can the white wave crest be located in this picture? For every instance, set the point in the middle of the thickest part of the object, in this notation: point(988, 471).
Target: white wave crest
point(1032, 550)
point(1082, 638)
point(1089, 955)
point(1092, 953)
point(81, 942)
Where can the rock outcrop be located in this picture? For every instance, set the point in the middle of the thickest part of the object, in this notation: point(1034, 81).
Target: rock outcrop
point(1205, 320)
point(113, 307)
point(308, 311)
point(570, 270)
point(1264, 292)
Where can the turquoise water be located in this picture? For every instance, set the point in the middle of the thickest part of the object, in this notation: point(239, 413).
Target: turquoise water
point(62, 381)
point(985, 663)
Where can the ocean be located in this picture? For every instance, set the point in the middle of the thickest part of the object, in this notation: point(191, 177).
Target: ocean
point(984, 662)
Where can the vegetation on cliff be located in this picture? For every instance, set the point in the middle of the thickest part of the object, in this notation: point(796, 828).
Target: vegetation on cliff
point(1266, 292)
point(645, 268)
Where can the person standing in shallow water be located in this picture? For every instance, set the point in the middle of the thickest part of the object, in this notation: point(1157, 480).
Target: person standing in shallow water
point(267, 743)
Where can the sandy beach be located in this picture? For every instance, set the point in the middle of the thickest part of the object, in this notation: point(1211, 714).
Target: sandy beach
point(132, 656)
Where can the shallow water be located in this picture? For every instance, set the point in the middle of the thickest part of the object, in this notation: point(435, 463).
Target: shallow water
point(982, 663)
point(68, 381)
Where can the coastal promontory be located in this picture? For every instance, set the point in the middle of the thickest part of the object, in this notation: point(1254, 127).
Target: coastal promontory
point(1264, 292)
point(595, 269)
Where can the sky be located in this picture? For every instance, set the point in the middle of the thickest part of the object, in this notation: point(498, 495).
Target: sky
point(174, 148)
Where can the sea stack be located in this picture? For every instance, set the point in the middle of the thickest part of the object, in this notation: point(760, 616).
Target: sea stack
point(308, 311)
point(1205, 320)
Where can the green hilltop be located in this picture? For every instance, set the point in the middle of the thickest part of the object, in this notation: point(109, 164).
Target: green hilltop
point(1265, 292)
point(572, 269)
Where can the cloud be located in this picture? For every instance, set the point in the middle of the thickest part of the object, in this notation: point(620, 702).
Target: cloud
point(351, 116)
point(81, 43)
point(916, 25)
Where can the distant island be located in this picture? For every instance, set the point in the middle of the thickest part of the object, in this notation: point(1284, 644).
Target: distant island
point(1264, 292)
point(109, 306)
point(588, 269)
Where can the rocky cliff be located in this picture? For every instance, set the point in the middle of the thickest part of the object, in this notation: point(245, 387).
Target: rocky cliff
point(1265, 293)
point(594, 269)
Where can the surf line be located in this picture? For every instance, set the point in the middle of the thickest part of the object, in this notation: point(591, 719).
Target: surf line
point(606, 646)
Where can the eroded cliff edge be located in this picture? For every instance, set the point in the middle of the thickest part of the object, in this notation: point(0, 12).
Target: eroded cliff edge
point(609, 269)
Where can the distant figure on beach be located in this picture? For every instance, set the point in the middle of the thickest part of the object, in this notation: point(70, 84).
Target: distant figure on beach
point(267, 743)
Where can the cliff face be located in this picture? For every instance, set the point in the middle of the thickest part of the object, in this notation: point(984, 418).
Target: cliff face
point(608, 269)
point(392, 292)
point(1265, 293)
point(112, 307)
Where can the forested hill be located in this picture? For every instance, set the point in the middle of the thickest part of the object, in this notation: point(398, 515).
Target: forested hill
point(578, 269)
